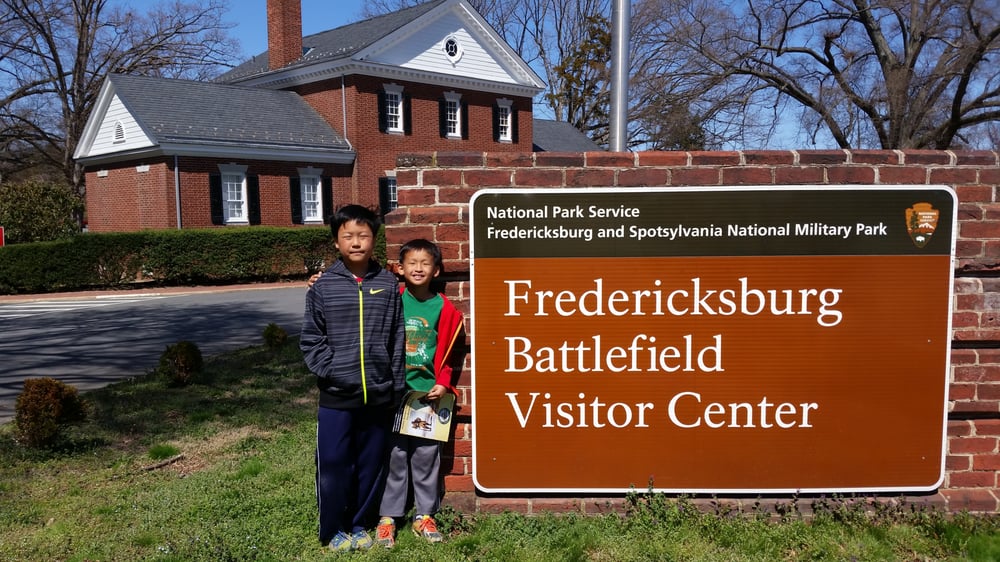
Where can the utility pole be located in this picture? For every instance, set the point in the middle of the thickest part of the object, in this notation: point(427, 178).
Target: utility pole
point(620, 26)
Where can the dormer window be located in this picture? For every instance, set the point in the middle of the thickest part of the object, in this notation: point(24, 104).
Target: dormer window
point(452, 49)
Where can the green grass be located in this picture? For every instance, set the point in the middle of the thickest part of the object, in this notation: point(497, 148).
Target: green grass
point(237, 484)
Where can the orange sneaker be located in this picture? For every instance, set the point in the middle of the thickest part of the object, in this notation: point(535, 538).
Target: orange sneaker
point(425, 527)
point(385, 533)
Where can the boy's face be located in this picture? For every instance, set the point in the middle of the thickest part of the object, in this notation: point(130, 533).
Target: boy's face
point(419, 268)
point(355, 242)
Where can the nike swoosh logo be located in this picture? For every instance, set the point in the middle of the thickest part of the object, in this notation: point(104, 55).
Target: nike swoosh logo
point(375, 291)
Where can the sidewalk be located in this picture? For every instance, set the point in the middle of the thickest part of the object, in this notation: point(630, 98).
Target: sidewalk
point(152, 290)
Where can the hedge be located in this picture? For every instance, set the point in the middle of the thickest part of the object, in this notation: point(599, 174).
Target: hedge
point(168, 257)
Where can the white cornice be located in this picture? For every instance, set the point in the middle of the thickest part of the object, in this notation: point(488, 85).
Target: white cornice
point(335, 69)
point(229, 151)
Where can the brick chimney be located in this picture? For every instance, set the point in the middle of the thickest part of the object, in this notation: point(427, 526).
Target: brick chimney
point(284, 32)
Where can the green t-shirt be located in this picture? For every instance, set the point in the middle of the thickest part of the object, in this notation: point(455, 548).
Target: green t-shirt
point(421, 339)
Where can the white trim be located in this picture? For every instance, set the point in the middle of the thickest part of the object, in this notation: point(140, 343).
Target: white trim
point(240, 170)
point(393, 89)
point(301, 76)
point(453, 98)
point(320, 156)
point(315, 175)
point(504, 103)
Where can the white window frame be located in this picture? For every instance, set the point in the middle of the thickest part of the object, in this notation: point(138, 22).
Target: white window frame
point(392, 188)
point(311, 195)
point(504, 118)
point(453, 114)
point(394, 108)
point(235, 208)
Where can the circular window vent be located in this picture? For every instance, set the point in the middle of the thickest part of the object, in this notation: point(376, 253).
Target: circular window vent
point(453, 49)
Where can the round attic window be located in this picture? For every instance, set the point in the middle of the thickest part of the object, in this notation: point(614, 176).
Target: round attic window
point(453, 49)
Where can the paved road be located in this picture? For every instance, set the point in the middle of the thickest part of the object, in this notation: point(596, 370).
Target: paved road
point(90, 340)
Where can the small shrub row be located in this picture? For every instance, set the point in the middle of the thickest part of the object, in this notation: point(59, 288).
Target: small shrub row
point(46, 404)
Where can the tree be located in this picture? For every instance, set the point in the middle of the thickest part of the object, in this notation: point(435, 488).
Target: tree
point(55, 54)
point(582, 82)
point(862, 73)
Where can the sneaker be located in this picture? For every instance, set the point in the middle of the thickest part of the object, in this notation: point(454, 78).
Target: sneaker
point(361, 541)
point(341, 542)
point(425, 527)
point(385, 533)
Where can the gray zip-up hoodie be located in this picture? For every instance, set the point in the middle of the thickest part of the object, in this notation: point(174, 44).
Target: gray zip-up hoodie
point(353, 338)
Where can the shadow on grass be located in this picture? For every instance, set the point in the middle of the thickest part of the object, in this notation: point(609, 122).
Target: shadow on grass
point(253, 386)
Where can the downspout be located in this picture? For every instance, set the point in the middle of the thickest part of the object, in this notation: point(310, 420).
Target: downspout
point(177, 191)
point(343, 106)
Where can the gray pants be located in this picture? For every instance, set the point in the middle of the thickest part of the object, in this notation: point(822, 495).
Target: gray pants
point(416, 460)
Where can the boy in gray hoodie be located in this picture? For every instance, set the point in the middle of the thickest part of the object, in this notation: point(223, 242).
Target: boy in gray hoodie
point(353, 340)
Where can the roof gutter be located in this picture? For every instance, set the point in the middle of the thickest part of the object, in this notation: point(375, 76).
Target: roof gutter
point(228, 151)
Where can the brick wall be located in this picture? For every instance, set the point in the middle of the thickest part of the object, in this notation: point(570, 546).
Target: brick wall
point(122, 197)
point(376, 151)
point(435, 189)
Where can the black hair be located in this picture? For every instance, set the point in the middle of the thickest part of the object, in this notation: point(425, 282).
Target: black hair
point(425, 245)
point(354, 213)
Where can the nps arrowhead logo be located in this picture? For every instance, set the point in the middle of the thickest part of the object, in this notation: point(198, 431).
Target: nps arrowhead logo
point(921, 222)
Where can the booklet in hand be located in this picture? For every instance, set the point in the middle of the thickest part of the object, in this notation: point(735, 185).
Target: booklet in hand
point(419, 417)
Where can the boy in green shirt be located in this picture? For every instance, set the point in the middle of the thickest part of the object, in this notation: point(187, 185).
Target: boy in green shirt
point(433, 326)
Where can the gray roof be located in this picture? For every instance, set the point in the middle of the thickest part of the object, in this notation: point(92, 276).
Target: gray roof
point(205, 113)
point(340, 43)
point(560, 136)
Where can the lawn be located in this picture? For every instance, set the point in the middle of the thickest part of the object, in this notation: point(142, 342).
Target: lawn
point(222, 469)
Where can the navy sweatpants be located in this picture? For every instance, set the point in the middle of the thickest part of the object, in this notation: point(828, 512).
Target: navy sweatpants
point(350, 468)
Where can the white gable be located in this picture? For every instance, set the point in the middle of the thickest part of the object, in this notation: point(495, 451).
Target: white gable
point(425, 51)
point(118, 131)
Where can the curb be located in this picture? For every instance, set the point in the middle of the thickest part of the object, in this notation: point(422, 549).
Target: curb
point(145, 291)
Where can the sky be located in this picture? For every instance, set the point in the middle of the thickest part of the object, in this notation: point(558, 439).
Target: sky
point(250, 17)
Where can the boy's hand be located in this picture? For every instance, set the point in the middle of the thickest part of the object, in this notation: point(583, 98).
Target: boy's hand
point(436, 391)
point(313, 279)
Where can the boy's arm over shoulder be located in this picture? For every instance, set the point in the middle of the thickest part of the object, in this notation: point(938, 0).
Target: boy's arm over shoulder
point(398, 344)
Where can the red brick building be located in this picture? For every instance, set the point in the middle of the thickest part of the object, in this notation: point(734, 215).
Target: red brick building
point(313, 123)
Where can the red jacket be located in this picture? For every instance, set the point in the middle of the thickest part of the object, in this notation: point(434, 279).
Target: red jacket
point(450, 327)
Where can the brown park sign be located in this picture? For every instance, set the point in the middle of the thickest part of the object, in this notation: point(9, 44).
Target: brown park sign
point(702, 340)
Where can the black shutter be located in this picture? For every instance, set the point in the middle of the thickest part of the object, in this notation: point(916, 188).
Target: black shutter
point(383, 118)
point(215, 198)
point(513, 123)
point(407, 114)
point(327, 183)
point(496, 123)
point(464, 109)
point(253, 199)
point(443, 117)
point(383, 196)
point(295, 198)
